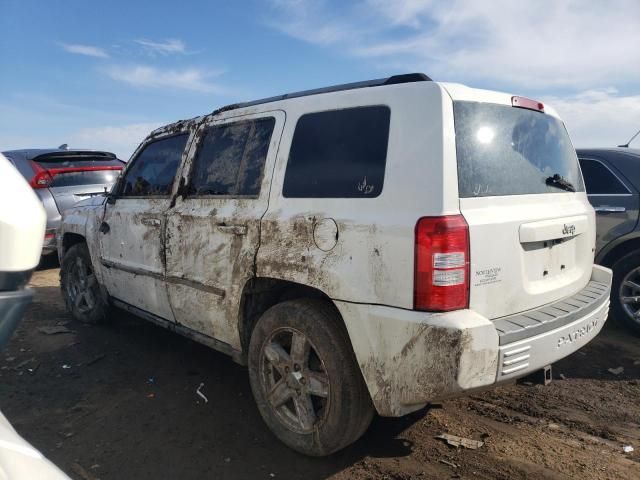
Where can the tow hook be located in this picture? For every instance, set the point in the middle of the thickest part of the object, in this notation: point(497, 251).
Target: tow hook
point(539, 377)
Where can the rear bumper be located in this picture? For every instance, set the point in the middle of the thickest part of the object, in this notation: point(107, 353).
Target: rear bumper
point(12, 306)
point(410, 358)
point(50, 244)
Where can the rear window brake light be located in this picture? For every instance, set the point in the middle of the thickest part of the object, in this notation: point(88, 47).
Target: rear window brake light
point(524, 102)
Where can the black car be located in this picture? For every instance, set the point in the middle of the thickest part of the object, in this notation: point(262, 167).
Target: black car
point(612, 178)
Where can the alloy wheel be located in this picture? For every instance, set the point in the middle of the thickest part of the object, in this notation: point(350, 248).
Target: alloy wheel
point(294, 379)
point(629, 294)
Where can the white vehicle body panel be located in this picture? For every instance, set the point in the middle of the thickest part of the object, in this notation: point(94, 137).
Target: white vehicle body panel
point(508, 253)
point(22, 221)
point(131, 253)
point(20, 460)
point(375, 236)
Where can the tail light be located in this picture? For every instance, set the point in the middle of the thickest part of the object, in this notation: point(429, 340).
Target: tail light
point(441, 276)
point(44, 177)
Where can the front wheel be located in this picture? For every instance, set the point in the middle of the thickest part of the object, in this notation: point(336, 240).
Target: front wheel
point(625, 297)
point(305, 380)
point(80, 289)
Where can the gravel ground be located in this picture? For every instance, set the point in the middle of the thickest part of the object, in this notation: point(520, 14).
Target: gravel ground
point(118, 401)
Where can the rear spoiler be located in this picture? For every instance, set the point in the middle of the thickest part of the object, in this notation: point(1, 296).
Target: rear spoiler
point(75, 154)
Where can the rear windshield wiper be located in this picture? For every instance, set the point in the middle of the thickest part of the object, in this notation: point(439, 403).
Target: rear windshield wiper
point(559, 182)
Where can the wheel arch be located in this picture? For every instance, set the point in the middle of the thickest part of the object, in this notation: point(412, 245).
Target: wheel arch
point(615, 251)
point(261, 293)
point(69, 239)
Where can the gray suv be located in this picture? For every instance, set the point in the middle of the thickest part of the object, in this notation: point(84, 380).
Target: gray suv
point(612, 178)
point(62, 177)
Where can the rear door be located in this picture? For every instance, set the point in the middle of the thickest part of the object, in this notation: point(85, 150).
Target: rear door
point(213, 231)
point(614, 200)
point(521, 192)
point(132, 237)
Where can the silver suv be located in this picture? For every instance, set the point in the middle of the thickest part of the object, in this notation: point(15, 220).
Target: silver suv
point(62, 177)
point(364, 248)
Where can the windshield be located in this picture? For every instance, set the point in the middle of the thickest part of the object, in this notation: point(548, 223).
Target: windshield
point(504, 150)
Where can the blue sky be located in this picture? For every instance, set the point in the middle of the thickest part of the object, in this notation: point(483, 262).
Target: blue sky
point(103, 74)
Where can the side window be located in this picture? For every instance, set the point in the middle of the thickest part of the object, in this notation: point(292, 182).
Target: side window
point(231, 158)
point(599, 179)
point(154, 169)
point(338, 154)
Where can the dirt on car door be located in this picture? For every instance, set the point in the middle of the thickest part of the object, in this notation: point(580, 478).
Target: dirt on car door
point(213, 230)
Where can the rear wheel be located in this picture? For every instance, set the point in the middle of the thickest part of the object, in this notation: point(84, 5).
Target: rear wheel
point(305, 379)
point(80, 289)
point(625, 289)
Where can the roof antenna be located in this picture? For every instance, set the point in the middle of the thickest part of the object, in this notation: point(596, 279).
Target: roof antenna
point(626, 145)
point(64, 146)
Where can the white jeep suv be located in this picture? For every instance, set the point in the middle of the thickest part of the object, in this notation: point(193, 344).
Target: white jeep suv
point(364, 248)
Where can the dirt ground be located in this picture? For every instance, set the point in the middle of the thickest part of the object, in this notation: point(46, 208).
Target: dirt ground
point(119, 402)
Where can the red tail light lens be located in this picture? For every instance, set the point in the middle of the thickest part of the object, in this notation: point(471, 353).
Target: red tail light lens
point(42, 177)
point(523, 102)
point(441, 281)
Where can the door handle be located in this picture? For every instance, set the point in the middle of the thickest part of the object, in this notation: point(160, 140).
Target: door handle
point(151, 222)
point(609, 209)
point(233, 229)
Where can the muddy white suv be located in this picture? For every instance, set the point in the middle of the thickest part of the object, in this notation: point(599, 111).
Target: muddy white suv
point(364, 248)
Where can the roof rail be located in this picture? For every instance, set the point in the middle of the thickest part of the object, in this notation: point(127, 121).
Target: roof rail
point(393, 80)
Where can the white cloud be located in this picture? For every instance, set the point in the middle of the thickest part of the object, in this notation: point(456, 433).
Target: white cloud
point(534, 45)
point(311, 21)
point(87, 50)
point(121, 140)
point(599, 118)
point(194, 79)
point(167, 47)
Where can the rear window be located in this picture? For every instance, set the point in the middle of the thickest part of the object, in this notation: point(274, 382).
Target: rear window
point(95, 177)
point(338, 154)
point(74, 179)
point(503, 150)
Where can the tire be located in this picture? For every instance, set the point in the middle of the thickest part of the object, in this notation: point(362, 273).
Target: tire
point(626, 274)
point(81, 291)
point(323, 402)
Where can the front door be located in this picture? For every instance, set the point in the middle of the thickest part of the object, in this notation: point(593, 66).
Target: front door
point(213, 230)
point(132, 231)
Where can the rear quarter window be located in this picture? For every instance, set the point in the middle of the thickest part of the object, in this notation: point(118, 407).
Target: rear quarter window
point(600, 180)
point(338, 154)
